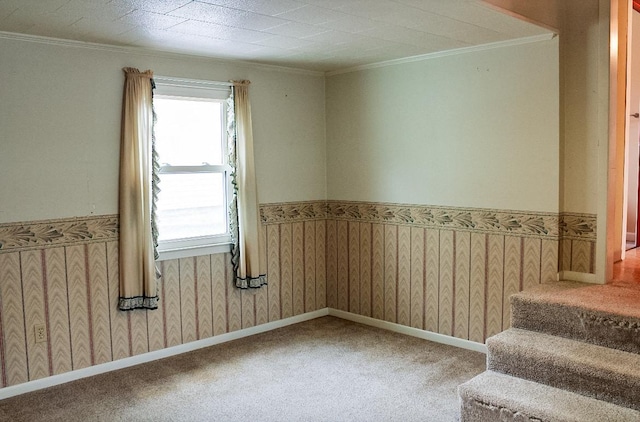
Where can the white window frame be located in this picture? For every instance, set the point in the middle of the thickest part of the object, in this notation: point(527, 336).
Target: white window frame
point(168, 87)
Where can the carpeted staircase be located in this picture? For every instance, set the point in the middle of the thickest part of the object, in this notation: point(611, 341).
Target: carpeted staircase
point(572, 354)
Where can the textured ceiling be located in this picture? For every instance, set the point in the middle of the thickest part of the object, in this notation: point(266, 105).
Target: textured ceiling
point(322, 35)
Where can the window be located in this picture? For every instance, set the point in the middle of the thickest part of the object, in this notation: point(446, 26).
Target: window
point(191, 143)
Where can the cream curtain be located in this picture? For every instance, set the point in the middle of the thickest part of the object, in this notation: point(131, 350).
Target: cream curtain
point(138, 274)
point(248, 258)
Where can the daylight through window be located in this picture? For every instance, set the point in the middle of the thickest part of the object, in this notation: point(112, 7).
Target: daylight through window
point(190, 133)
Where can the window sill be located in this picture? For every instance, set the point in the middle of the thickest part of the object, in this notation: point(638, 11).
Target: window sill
point(191, 251)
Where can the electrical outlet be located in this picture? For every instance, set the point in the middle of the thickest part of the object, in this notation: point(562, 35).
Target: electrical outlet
point(41, 334)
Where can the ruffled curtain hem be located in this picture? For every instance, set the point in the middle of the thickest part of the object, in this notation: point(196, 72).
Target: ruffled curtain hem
point(251, 283)
point(138, 302)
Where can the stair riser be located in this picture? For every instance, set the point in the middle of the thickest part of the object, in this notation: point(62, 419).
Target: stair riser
point(496, 397)
point(475, 411)
point(550, 367)
point(591, 382)
point(575, 323)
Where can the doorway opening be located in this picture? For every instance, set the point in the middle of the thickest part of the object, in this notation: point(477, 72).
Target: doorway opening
point(628, 268)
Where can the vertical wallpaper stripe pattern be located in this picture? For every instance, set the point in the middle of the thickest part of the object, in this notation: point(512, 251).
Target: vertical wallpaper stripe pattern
point(445, 270)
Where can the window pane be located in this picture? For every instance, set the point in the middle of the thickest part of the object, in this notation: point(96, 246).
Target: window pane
point(188, 132)
point(191, 205)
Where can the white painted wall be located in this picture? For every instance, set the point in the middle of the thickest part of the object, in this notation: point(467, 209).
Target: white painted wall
point(585, 92)
point(580, 115)
point(479, 129)
point(60, 109)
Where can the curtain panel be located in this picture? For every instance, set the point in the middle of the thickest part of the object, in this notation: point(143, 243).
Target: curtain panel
point(249, 262)
point(138, 187)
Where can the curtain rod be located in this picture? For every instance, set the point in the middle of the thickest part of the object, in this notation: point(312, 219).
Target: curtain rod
point(191, 82)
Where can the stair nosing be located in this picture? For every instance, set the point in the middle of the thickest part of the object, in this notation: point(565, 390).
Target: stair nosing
point(596, 349)
point(535, 390)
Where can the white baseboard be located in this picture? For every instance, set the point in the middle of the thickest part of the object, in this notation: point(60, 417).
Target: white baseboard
point(414, 332)
point(580, 277)
point(53, 380)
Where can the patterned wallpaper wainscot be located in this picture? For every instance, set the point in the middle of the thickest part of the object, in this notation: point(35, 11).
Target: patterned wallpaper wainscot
point(442, 269)
point(577, 243)
point(446, 270)
point(64, 274)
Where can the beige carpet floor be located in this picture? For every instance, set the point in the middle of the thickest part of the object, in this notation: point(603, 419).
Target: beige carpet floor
point(326, 369)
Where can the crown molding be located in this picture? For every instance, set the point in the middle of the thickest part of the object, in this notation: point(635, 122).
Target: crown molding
point(140, 51)
point(254, 65)
point(446, 53)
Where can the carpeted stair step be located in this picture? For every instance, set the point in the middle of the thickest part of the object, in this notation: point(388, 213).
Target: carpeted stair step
point(591, 370)
point(607, 315)
point(492, 396)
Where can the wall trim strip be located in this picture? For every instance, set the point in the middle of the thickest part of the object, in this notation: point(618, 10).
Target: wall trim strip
point(576, 226)
point(21, 236)
point(53, 380)
point(414, 332)
point(31, 235)
point(480, 220)
point(293, 212)
point(544, 225)
point(580, 277)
